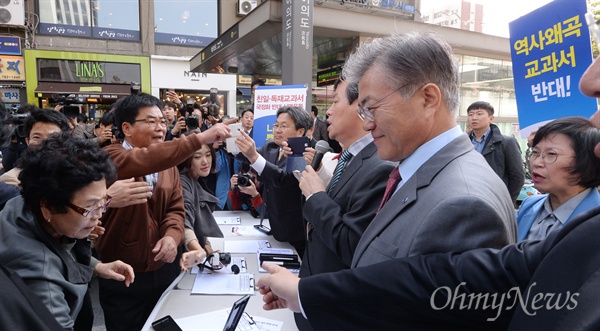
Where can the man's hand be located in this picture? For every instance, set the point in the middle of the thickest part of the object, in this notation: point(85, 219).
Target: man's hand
point(174, 98)
point(192, 258)
point(126, 192)
point(287, 150)
point(247, 146)
point(116, 270)
point(165, 250)
point(231, 120)
point(309, 155)
point(105, 135)
point(217, 132)
point(279, 289)
point(310, 183)
point(179, 126)
point(97, 232)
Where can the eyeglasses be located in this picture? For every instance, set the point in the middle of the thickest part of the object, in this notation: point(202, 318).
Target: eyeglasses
point(91, 212)
point(282, 127)
point(366, 113)
point(153, 122)
point(547, 157)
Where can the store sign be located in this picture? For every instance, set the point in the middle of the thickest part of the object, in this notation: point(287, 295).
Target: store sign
point(10, 45)
point(329, 76)
point(10, 95)
point(402, 7)
point(86, 31)
point(223, 41)
point(12, 68)
point(76, 71)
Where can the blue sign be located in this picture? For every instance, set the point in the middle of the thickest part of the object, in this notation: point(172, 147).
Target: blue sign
point(65, 30)
point(182, 40)
point(550, 51)
point(115, 34)
point(10, 45)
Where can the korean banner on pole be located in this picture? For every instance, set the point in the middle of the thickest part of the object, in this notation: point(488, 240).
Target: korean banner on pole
point(550, 51)
point(267, 100)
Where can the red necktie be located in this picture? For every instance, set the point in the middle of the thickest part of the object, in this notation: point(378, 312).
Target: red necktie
point(390, 188)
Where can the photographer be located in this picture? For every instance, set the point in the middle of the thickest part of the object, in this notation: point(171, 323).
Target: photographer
point(244, 194)
point(17, 144)
point(101, 133)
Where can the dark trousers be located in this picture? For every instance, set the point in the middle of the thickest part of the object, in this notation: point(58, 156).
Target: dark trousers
point(128, 308)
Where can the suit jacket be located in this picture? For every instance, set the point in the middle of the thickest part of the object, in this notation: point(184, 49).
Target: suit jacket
point(397, 294)
point(339, 219)
point(531, 207)
point(282, 194)
point(320, 132)
point(454, 202)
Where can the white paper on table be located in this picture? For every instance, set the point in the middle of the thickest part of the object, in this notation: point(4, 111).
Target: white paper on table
point(273, 251)
point(216, 320)
point(223, 283)
point(245, 246)
point(267, 324)
point(248, 231)
point(226, 220)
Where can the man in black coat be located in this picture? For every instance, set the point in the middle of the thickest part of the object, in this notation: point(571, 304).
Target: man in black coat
point(279, 188)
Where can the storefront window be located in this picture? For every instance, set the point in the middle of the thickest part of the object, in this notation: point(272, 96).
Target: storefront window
point(103, 19)
point(487, 80)
point(185, 23)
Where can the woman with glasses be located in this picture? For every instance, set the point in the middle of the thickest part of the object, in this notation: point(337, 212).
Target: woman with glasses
point(43, 232)
point(563, 166)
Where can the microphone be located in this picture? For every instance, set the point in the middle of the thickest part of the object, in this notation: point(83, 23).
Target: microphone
point(321, 148)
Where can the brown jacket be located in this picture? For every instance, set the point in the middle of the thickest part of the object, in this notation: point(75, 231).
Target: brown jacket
point(132, 231)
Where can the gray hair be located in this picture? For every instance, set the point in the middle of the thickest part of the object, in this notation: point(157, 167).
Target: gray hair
point(413, 59)
point(301, 118)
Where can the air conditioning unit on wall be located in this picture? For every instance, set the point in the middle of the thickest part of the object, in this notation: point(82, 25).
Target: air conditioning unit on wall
point(245, 7)
point(12, 12)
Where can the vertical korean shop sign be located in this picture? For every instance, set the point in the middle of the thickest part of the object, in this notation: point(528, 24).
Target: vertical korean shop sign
point(550, 50)
point(267, 100)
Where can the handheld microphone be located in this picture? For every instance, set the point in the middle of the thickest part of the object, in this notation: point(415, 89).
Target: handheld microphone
point(321, 148)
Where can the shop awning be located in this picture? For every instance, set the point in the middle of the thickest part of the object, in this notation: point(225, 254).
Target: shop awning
point(53, 89)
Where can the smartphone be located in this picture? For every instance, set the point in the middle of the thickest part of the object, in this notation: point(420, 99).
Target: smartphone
point(166, 323)
point(298, 144)
point(263, 229)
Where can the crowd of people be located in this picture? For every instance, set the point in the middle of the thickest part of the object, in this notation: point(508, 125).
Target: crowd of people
point(409, 215)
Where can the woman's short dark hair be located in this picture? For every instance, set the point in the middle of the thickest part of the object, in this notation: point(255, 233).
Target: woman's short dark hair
point(187, 163)
point(584, 138)
point(60, 166)
point(108, 118)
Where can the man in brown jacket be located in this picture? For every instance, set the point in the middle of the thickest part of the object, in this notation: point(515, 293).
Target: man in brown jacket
point(147, 235)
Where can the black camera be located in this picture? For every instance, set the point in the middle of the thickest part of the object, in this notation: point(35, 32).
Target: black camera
point(211, 110)
point(245, 179)
point(192, 122)
point(114, 130)
point(18, 121)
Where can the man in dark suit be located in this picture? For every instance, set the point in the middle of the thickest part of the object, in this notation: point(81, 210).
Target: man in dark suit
point(280, 189)
point(320, 127)
point(339, 213)
point(553, 284)
point(444, 196)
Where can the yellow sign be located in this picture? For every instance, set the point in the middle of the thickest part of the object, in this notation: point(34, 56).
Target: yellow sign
point(244, 79)
point(90, 89)
point(12, 68)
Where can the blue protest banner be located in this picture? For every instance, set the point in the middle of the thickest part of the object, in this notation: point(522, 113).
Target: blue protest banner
point(267, 100)
point(550, 51)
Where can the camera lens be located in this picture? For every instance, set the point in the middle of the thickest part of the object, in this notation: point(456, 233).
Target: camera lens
point(243, 181)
